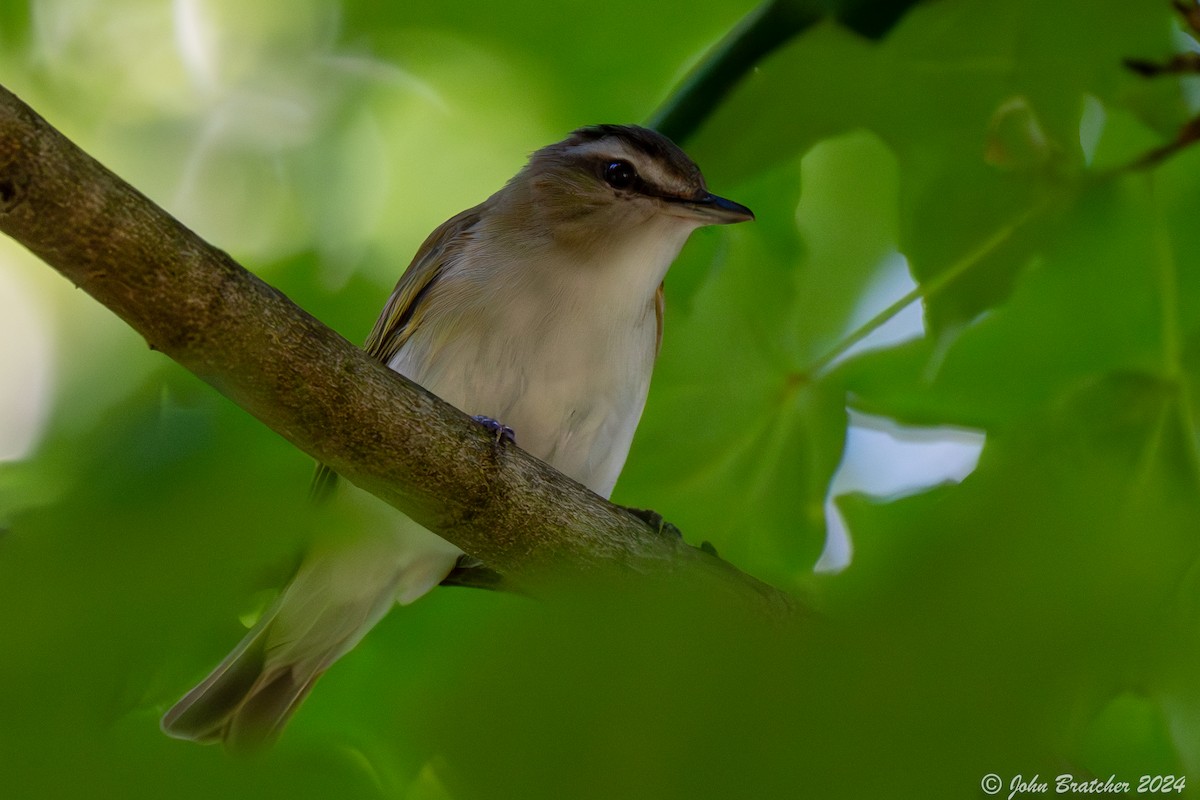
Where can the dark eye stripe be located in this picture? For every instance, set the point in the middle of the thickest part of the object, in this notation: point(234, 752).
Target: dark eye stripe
point(637, 184)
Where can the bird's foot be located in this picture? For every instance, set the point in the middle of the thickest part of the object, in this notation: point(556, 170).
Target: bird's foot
point(654, 520)
point(502, 432)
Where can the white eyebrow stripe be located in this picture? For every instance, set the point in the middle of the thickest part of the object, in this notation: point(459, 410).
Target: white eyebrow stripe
point(651, 170)
point(609, 148)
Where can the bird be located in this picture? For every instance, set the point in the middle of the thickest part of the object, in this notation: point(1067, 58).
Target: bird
point(538, 311)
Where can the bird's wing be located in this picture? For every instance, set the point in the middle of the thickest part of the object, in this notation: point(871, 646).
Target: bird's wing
point(402, 311)
point(398, 318)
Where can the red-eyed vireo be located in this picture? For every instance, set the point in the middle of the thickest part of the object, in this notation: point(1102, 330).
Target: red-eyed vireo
point(540, 308)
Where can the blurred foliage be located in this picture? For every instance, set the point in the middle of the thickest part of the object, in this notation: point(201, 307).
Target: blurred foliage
point(1041, 616)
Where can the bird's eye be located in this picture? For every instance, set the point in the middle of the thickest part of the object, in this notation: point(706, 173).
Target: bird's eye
point(619, 174)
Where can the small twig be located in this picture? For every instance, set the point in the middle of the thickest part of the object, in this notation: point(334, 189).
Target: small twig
point(925, 290)
point(1190, 11)
point(1188, 135)
point(1181, 64)
point(754, 38)
point(758, 35)
point(1176, 65)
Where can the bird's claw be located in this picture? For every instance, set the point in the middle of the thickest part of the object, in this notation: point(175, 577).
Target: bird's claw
point(502, 432)
point(655, 520)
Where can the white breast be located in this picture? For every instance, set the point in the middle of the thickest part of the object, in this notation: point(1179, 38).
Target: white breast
point(562, 353)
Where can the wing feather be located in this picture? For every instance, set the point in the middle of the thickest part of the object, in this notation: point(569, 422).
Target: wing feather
point(392, 328)
point(395, 323)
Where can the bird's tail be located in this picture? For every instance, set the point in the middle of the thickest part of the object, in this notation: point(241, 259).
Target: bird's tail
point(336, 597)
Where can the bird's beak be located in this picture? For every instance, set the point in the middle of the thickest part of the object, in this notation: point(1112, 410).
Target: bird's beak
point(713, 210)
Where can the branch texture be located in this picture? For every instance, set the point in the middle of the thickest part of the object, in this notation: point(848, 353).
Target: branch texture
point(380, 431)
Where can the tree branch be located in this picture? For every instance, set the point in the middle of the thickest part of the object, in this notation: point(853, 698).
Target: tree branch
point(759, 34)
point(378, 430)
